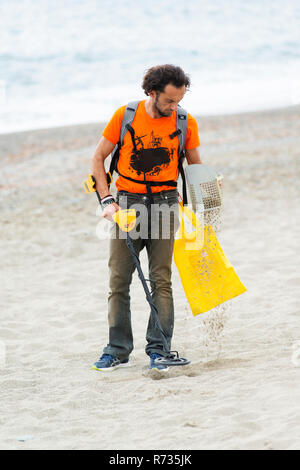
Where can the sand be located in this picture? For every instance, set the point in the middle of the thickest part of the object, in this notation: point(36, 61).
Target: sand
point(241, 390)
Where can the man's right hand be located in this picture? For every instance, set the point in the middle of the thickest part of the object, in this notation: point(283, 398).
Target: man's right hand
point(110, 210)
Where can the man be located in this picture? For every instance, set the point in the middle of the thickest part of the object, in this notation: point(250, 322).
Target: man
point(149, 154)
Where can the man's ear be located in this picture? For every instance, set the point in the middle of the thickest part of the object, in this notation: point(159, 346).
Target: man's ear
point(152, 94)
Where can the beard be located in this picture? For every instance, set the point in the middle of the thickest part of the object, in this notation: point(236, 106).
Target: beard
point(158, 110)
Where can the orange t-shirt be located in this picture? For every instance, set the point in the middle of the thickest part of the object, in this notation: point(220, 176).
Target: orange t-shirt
point(157, 154)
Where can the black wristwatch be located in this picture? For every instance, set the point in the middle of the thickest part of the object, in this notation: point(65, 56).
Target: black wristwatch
point(106, 201)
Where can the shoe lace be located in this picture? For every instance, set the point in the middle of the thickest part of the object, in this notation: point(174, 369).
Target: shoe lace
point(106, 357)
point(155, 356)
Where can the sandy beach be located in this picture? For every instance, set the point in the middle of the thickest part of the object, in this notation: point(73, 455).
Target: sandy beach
point(241, 390)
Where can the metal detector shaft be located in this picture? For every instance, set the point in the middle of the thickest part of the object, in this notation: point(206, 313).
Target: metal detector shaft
point(147, 292)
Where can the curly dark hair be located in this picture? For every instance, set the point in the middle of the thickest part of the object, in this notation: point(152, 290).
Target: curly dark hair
point(157, 77)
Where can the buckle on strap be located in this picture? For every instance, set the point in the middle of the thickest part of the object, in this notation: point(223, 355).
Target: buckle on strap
point(175, 134)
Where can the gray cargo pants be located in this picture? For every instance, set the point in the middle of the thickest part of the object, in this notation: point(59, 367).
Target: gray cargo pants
point(158, 225)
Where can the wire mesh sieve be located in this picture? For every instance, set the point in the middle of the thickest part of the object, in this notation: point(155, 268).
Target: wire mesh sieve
point(204, 187)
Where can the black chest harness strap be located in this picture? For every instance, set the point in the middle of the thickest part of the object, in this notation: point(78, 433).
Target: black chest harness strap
point(180, 133)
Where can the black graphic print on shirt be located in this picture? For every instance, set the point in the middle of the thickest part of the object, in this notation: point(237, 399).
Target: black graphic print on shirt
point(152, 160)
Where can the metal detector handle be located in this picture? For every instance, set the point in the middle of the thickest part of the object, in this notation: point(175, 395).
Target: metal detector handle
point(90, 187)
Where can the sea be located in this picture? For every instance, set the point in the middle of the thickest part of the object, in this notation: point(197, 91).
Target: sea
point(66, 62)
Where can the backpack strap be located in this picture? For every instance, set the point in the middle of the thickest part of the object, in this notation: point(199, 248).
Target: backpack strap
point(128, 118)
point(182, 126)
point(181, 122)
point(127, 121)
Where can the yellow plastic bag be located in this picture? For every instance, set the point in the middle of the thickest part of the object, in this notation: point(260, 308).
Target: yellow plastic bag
point(208, 278)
